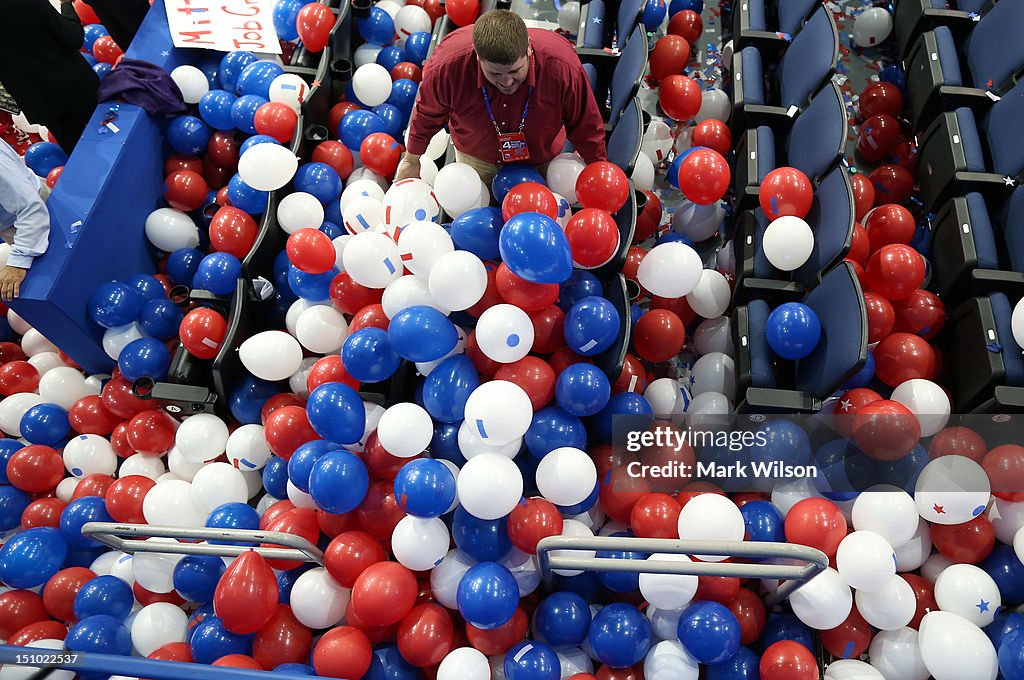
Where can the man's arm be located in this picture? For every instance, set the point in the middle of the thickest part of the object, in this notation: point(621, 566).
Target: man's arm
point(31, 235)
point(66, 28)
point(582, 118)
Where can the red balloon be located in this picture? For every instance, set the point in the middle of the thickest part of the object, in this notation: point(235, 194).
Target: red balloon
point(878, 137)
point(336, 155)
point(659, 335)
point(279, 401)
point(893, 183)
point(333, 524)
point(311, 251)
point(788, 660)
point(687, 24)
point(384, 593)
point(53, 176)
point(370, 316)
point(498, 640)
point(426, 635)
point(863, 195)
point(530, 521)
point(343, 652)
point(905, 156)
point(958, 441)
point(282, 640)
point(10, 351)
point(669, 57)
point(86, 14)
point(246, 595)
point(380, 463)
point(529, 197)
point(749, 610)
point(238, 661)
point(923, 313)
point(40, 630)
point(119, 399)
point(125, 496)
point(534, 375)
point(43, 512)
point(277, 120)
point(17, 377)
point(202, 332)
point(721, 589)
point(223, 150)
point(715, 135)
point(275, 512)
point(35, 469)
point(966, 543)
point(528, 296)
point(59, 592)
point(816, 522)
point(177, 162)
point(349, 297)
point(889, 223)
point(886, 430)
point(92, 485)
point(924, 593)
point(680, 97)
point(19, 608)
point(185, 190)
point(548, 329)
point(1004, 466)
point(300, 522)
point(880, 98)
point(881, 317)
point(564, 357)
point(337, 112)
point(704, 176)
point(634, 256)
point(152, 433)
point(233, 231)
point(287, 429)
point(850, 638)
point(406, 71)
point(329, 369)
point(119, 441)
point(350, 554)
point(903, 356)
point(656, 515)
point(619, 492)
point(462, 12)
point(314, 26)
point(173, 651)
point(593, 237)
point(633, 377)
point(602, 185)
point(491, 296)
point(648, 220)
point(895, 271)
point(381, 153)
point(106, 50)
point(785, 191)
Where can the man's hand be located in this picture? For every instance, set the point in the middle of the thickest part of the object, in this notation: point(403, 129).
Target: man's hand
point(409, 168)
point(10, 282)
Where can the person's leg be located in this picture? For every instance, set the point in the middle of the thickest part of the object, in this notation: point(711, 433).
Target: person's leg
point(68, 125)
point(486, 170)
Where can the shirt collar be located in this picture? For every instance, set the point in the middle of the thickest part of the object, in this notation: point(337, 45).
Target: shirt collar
point(531, 74)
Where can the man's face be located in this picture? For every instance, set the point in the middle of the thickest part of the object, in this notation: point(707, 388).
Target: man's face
point(506, 77)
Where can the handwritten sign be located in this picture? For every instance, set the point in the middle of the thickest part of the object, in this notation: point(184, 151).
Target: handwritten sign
point(223, 25)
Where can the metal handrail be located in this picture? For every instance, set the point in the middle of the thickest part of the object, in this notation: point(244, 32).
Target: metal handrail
point(122, 537)
point(792, 575)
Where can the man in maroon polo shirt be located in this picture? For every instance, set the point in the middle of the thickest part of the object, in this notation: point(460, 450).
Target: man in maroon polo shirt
point(508, 94)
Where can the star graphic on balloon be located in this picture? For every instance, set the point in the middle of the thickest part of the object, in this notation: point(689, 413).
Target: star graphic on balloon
point(845, 404)
point(982, 606)
point(938, 509)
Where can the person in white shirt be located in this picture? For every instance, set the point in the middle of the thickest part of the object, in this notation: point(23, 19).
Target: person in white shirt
point(22, 208)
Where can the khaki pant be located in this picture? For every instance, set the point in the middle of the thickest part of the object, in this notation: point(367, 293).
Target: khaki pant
point(486, 170)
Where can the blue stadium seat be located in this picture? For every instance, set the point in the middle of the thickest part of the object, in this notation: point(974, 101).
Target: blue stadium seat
point(593, 34)
point(624, 140)
point(986, 367)
point(911, 18)
point(941, 77)
point(762, 369)
point(627, 19)
point(768, 24)
point(601, 31)
point(628, 73)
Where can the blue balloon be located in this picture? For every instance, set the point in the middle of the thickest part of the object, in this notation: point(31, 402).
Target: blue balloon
point(160, 318)
point(196, 576)
point(144, 358)
point(233, 516)
point(1011, 656)
point(29, 558)
point(864, 376)
point(257, 77)
point(387, 664)
point(511, 175)
point(1003, 624)
point(243, 113)
point(300, 465)
point(77, 514)
point(394, 119)
point(416, 47)
point(247, 400)
point(218, 273)
point(318, 179)
point(781, 440)
point(275, 477)
point(211, 640)
point(42, 157)
point(582, 389)
point(477, 231)
point(231, 67)
point(620, 635)
point(1007, 571)
point(45, 424)
point(244, 197)
point(253, 141)
point(422, 333)
point(338, 481)
point(286, 14)
point(585, 585)
point(580, 285)
point(368, 357)
point(188, 135)
point(905, 471)
point(12, 504)
point(583, 506)
point(357, 126)
point(562, 619)
point(552, 428)
point(336, 413)
point(844, 470)
point(445, 443)
point(114, 304)
point(403, 95)
point(673, 237)
point(620, 582)
point(630, 404)
point(679, 5)
point(100, 634)
point(312, 287)
point(488, 595)
point(743, 665)
point(7, 448)
point(591, 326)
point(793, 330)
point(672, 174)
point(209, 65)
point(709, 631)
point(426, 488)
point(654, 14)
point(332, 230)
point(894, 73)
point(390, 57)
point(447, 388)
point(377, 28)
point(104, 595)
point(535, 248)
point(147, 286)
point(786, 627)
point(215, 109)
point(763, 522)
point(531, 660)
point(101, 69)
point(182, 265)
point(483, 540)
point(92, 33)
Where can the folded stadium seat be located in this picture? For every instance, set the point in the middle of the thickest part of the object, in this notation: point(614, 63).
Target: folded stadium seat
point(831, 218)
point(911, 18)
point(985, 366)
point(957, 155)
point(616, 82)
point(941, 78)
point(813, 144)
point(767, 384)
point(768, 25)
point(808, 62)
point(624, 140)
point(597, 29)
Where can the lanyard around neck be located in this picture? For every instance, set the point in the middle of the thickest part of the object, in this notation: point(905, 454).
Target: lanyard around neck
point(526, 108)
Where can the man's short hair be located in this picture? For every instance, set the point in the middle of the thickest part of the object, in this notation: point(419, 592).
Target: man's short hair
point(500, 37)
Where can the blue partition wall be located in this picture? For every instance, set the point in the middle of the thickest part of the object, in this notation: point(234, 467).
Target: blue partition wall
point(98, 210)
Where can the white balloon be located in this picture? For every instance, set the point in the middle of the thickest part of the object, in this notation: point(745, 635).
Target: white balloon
point(927, 401)
point(670, 270)
point(317, 600)
point(566, 476)
point(371, 84)
point(271, 355)
point(934, 565)
point(574, 529)
point(464, 663)
point(372, 259)
point(298, 210)
point(569, 17)
point(668, 592)
point(1017, 323)
point(952, 490)
point(891, 607)
point(643, 173)
point(155, 571)
point(969, 591)
point(117, 338)
point(505, 333)
point(698, 222)
point(44, 362)
point(267, 167)
point(711, 297)
point(181, 466)
point(172, 503)
point(123, 568)
point(156, 625)
point(18, 324)
point(490, 486)
point(670, 660)
point(851, 669)
point(407, 201)
point(218, 483)
point(1018, 544)
point(169, 229)
point(1007, 519)
point(472, 445)
point(89, 454)
point(363, 213)
point(66, 488)
point(726, 258)
point(143, 466)
point(101, 565)
point(12, 409)
point(865, 560)
point(300, 498)
point(34, 343)
point(445, 577)
point(438, 145)
point(405, 430)
point(360, 188)
point(714, 372)
point(953, 648)
point(524, 569)
point(321, 329)
point(192, 82)
point(912, 554)
point(714, 105)
point(458, 280)
point(788, 243)
point(201, 437)
point(888, 511)
point(420, 543)
point(499, 411)
point(63, 386)
point(897, 655)
point(823, 602)
point(714, 335)
point(667, 396)
point(450, 187)
point(421, 244)
point(657, 141)
point(407, 291)
point(288, 89)
point(711, 517)
point(664, 622)
point(707, 407)
point(872, 27)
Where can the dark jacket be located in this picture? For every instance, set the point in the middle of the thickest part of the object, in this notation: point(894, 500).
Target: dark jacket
point(121, 18)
